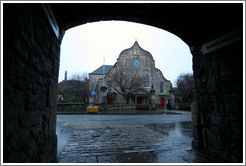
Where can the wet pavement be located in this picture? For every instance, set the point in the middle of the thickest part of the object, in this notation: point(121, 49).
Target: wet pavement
point(127, 139)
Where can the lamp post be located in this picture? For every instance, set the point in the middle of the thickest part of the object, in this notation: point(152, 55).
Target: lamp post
point(152, 94)
point(103, 88)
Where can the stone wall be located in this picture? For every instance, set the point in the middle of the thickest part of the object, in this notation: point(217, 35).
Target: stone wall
point(218, 110)
point(120, 107)
point(70, 108)
point(30, 75)
point(127, 109)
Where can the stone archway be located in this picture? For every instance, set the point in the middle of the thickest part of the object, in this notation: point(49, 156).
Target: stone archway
point(32, 34)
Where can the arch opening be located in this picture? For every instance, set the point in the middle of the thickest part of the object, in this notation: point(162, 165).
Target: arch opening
point(31, 63)
point(105, 43)
point(107, 36)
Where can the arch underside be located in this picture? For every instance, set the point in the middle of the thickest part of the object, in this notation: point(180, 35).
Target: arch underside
point(193, 23)
point(31, 64)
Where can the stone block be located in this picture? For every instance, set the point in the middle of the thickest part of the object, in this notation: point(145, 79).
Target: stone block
point(202, 119)
point(195, 132)
point(92, 159)
point(195, 144)
point(213, 142)
point(204, 138)
point(195, 120)
point(212, 86)
point(195, 108)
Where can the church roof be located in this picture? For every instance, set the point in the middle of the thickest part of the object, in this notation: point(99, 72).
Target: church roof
point(136, 45)
point(100, 69)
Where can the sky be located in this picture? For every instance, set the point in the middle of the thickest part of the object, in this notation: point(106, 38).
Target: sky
point(86, 47)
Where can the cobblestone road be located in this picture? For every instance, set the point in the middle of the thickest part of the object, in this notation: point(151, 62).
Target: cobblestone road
point(91, 142)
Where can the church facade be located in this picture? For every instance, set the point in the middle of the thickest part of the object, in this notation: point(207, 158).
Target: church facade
point(133, 79)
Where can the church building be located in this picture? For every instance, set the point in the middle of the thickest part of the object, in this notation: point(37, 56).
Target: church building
point(133, 79)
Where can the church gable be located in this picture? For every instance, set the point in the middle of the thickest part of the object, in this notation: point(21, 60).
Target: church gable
point(135, 57)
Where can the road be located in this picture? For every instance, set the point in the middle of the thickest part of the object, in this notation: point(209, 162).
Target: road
point(126, 139)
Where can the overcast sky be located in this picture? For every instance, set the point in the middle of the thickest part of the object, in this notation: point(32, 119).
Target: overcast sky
point(83, 48)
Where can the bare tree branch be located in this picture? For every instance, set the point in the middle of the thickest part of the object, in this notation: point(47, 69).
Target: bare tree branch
point(124, 81)
point(185, 86)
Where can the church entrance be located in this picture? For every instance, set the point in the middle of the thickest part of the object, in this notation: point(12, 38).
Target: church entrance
point(110, 98)
point(109, 101)
point(139, 100)
point(162, 103)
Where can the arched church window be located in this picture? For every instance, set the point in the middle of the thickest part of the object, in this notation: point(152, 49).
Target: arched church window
point(126, 76)
point(161, 87)
point(146, 78)
point(109, 88)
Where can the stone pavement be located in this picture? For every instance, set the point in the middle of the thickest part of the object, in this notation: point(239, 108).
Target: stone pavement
point(152, 143)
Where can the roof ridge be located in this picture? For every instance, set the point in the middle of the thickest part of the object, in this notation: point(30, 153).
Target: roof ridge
point(100, 69)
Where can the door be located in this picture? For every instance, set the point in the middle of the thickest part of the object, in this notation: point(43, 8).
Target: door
point(139, 100)
point(162, 102)
point(109, 101)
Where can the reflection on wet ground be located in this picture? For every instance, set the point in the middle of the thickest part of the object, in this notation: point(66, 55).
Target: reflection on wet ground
point(149, 157)
point(161, 128)
point(160, 142)
point(186, 128)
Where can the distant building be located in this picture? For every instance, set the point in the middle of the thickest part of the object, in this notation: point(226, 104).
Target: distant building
point(95, 76)
point(154, 90)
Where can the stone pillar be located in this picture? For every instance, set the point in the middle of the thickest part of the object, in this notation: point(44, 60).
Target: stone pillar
point(217, 112)
point(196, 144)
point(197, 138)
point(31, 64)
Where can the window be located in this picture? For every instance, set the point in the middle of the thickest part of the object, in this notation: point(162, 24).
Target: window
point(127, 73)
point(126, 76)
point(109, 88)
point(146, 78)
point(161, 87)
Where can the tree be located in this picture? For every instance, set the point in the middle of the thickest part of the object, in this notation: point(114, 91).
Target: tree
point(76, 89)
point(185, 87)
point(124, 81)
point(79, 84)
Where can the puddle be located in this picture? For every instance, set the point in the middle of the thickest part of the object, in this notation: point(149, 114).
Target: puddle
point(164, 128)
